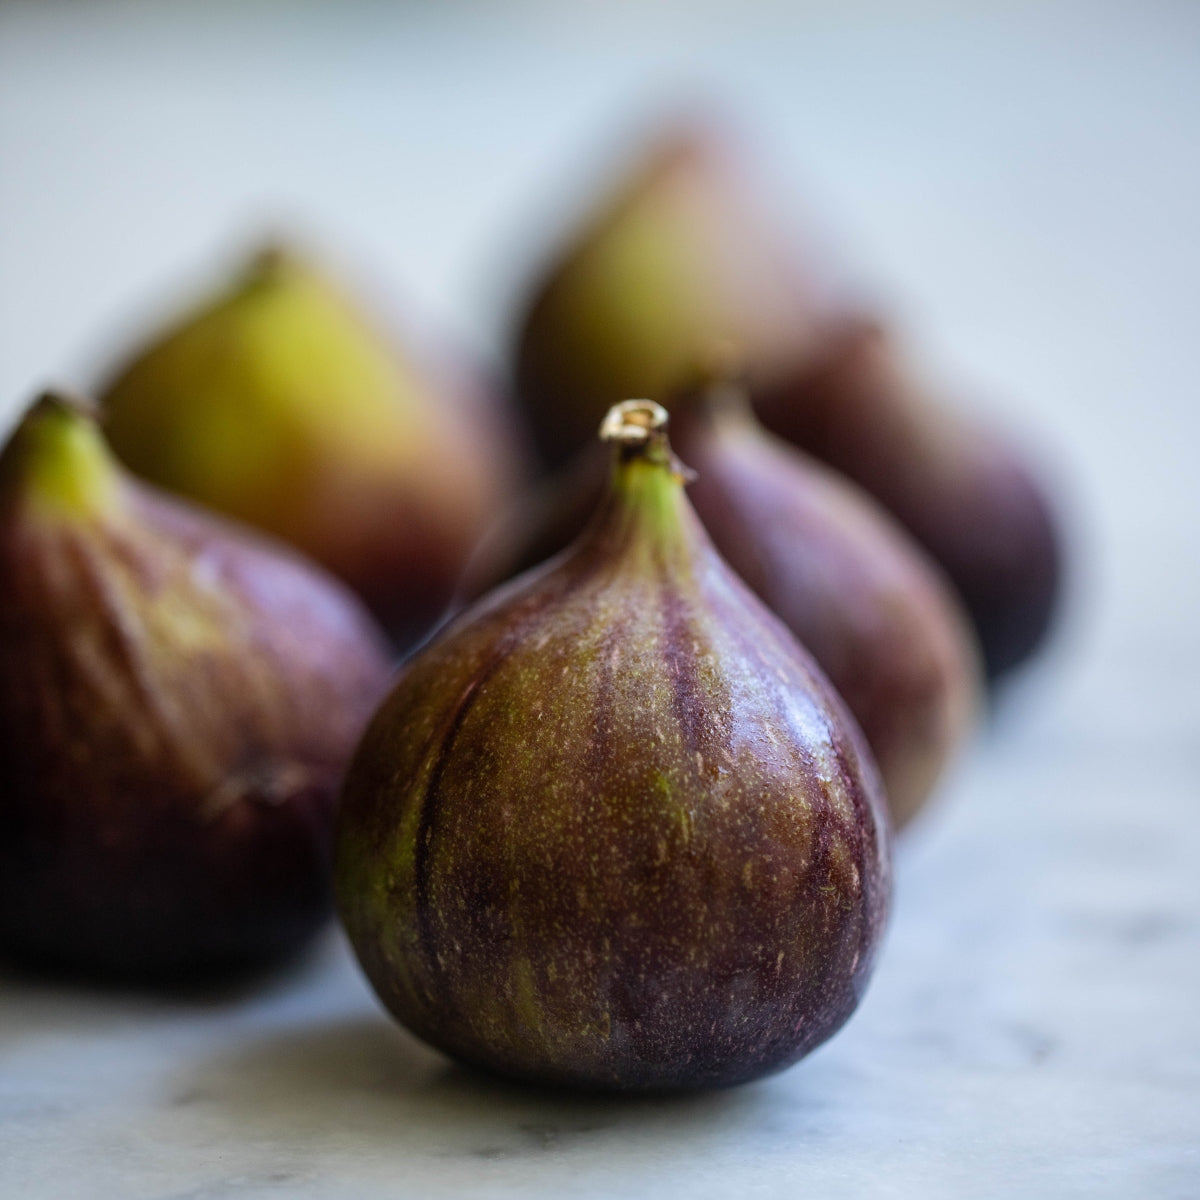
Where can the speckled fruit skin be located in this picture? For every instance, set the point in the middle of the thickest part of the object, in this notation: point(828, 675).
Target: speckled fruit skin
point(178, 701)
point(613, 829)
point(280, 404)
point(681, 255)
point(845, 578)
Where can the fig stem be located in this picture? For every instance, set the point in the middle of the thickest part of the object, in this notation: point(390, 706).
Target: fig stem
point(62, 400)
point(638, 430)
point(635, 423)
point(57, 459)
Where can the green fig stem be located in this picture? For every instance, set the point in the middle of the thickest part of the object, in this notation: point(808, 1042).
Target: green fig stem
point(272, 260)
point(646, 499)
point(58, 460)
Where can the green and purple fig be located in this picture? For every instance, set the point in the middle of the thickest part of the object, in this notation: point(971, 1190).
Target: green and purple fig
point(676, 259)
point(280, 404)
point(844, 577)
point(178, 703)
point(613, 829)
point(682, 255)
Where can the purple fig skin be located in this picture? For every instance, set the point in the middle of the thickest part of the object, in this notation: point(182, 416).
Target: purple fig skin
point(848, 581)
point(613, 830)
point(178, 701)
point(960, 489)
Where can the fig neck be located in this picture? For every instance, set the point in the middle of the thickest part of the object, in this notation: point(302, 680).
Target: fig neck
point(271, 265)
point(723, 405)
point(646, 514)
point(57, 462)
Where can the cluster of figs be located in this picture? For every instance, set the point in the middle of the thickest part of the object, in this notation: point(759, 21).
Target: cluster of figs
point(622, 816)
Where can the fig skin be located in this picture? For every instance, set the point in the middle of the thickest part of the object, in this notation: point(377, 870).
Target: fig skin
point(848, 581)
point(681, 256)
point(612, 829)
point(961, 489)
point(178, 702)
point(674, 261)
point(279, 404)
point(844, 577)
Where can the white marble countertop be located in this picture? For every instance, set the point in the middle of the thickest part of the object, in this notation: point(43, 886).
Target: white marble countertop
point(1025, 179)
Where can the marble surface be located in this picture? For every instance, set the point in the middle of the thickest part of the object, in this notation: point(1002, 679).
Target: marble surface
point(1024, 181)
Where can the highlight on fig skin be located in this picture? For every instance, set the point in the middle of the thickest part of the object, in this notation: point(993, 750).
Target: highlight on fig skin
point(178, 700)
point(612, 829)
point(280, 404)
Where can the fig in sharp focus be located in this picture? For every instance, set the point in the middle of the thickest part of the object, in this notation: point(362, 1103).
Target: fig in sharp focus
point(858, 594)
point(178, 701)
point(613, 829)
point(280, 405)
point(681, 256)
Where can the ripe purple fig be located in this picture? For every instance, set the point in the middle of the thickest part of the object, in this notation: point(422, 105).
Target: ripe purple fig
point(966, 494)
point(682, 255)
point(281, 405)
point(613, 829)
point(844, 577)
point(178, 701)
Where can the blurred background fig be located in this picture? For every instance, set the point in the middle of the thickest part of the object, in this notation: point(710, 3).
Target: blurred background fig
point(280, 404)
point(674, 260)
point(178, 702)
point(847, 580)
point(684, 253)
point(963, 490)
point(613, 829)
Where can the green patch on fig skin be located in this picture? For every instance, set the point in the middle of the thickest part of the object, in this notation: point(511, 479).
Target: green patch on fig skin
point(57, 463)
point(279, 403)
point(177, 704)
point(609, 830)
point(60, 472)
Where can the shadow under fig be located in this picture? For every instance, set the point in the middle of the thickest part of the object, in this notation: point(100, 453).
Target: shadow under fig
point(40, 997)
point(362, 1079)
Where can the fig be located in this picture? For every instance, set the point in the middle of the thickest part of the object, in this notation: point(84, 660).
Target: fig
point(281, 405)
point(613, 829)
point(846, 579)
point(966, 493)
point(674, 261)
point(682, 255)
point(178, 703)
